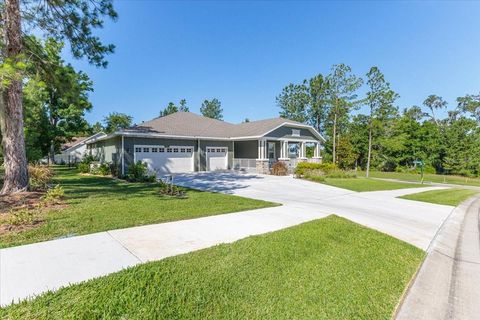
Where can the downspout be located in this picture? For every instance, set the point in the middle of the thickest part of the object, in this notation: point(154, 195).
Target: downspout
point(123, 156)
point(199, 156)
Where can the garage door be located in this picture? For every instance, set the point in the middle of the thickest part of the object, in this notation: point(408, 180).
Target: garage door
point(217, 158)
point(161, 159)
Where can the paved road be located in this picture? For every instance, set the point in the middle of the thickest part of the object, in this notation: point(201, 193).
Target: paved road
point(448, 283)
point(33, 269)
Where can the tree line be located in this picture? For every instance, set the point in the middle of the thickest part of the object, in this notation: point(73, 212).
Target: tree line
point(386, 137)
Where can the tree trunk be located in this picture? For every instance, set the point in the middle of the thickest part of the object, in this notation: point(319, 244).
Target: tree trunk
point(369, 151)
point(51, 153)
point(11, 111)
point(334, 137)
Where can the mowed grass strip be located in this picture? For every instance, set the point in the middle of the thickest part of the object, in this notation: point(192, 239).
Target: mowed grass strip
point(364, 184)
point(325, 269)
point(449, 197)
point(428, 177)
point(101, 203)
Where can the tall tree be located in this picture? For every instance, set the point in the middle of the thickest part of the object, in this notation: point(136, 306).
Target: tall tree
point(212, 109)
point(470, 104)
point(62, 20)
point(318, 89)
point(183, 106)
point(343, 85)
point(380, 99)
point(294, 101)
point(116, 121)
point(169, 109)
point(172, 108)
point(66, 99)
point(434, 103)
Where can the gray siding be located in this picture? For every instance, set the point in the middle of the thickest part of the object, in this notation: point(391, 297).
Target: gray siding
point(246, 149)
point(106, 150)
point(199, 153)
point(286, 132)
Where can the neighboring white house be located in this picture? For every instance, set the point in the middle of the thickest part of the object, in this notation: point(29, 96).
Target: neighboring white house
point(74, 151)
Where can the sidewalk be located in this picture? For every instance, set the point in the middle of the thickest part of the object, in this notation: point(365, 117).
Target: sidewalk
point(448, 283)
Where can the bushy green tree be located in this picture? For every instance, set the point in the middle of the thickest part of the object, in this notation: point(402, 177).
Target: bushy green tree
point(116, 121)
point(212, 109)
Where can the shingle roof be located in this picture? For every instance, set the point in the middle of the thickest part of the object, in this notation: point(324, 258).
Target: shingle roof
point(193, 125)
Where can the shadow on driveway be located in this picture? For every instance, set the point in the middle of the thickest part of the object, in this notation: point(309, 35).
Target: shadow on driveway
point(219, 181)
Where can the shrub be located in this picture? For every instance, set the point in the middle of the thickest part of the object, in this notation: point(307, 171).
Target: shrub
point(54, 195)
point(341, 174)
point(136, 171)
point(40, 177)
point(279, 169)
point(83, 167)
point(103, 169)
point(88, 158)
point(21, 217)
point(114, 169)
point(303, 168)
point(171, 190)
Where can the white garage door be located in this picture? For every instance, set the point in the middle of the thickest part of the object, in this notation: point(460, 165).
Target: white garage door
point(217, 158)
point(161, 159)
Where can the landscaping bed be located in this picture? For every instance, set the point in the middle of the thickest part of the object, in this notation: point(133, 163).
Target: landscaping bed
point(325, 269)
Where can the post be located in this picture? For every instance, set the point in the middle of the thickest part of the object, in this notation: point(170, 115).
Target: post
point(123, 156)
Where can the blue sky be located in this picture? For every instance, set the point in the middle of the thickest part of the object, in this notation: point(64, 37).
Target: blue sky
point(244, 53)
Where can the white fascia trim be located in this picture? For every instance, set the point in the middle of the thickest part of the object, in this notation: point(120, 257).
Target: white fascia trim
point(156, 135)
point(85, 141)
point(296, 125)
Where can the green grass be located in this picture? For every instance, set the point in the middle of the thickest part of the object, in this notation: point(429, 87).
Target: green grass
point(450, 197)
point(364, 184)
point(101, 203)
point(437, 178)
point(325, 269)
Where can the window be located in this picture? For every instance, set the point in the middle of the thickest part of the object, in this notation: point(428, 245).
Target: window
point(182, 150)
point(146, 149)
point(138, 149)
point(161, 149)
point(169, 149)
point(154, 149)
point(175, 150)
point(189, 149)
point(219, 150)
point(295, 132)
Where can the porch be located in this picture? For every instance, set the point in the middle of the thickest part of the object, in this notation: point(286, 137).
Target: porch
point(259, 155)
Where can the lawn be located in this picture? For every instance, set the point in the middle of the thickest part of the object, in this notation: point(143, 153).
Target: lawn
point(364, 184)
point(427, 178)
point(101, 203)
point(450, 197)
point(325, 269)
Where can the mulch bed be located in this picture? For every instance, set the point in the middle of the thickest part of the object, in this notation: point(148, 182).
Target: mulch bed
point(21, 200)
point(24, 200)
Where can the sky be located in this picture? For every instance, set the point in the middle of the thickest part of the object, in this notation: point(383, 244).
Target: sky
point(244, 53)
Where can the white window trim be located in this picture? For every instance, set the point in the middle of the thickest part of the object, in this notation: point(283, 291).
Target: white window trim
point(296, 132)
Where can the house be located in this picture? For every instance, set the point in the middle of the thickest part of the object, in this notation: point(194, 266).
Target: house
point(73, 151)
point(187, 142)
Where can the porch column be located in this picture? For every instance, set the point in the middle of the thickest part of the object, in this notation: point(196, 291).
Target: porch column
point(303, 150)
point(262, 149)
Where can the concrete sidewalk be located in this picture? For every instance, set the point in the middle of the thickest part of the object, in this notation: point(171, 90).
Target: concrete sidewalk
point(29, 270)
point(448, 283)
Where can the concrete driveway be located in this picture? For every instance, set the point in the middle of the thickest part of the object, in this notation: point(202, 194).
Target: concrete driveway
point(29, 270)
point(412, 221)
